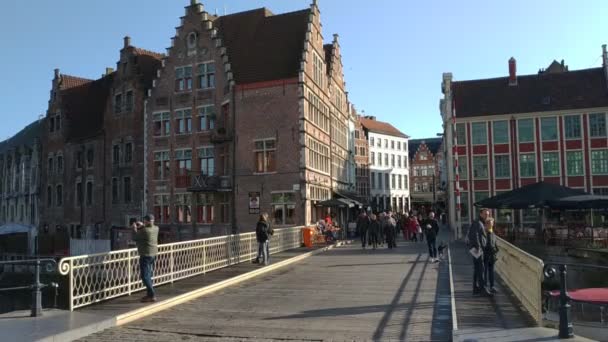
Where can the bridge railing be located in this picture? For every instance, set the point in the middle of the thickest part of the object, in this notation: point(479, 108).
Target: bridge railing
point(98, 277)
point(523, 274)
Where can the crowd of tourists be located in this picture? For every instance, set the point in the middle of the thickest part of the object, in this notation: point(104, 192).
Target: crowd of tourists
point(377, 229)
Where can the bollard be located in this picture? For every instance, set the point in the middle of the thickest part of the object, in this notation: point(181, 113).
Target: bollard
point(36, 293)
point(565, 324)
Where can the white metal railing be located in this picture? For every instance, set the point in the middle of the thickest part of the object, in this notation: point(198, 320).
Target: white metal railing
point(89, 246)
point(523, 274)
point(99, 277)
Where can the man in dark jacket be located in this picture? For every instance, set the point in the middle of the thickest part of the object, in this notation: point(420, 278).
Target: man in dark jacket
point(146, 237)
point(262, 234)
point(431, 228)
point(477, 241)
point(362, 227)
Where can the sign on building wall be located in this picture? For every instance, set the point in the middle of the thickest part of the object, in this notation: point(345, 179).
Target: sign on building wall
point(254, 203)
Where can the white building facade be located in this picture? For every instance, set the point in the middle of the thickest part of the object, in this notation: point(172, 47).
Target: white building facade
point(389, 166)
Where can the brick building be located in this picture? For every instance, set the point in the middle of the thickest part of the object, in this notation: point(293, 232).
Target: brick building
point(517, 130)
point(362, 162)
point(427, 187)
point(248, 114)
point(93, 148)
point(389, 166)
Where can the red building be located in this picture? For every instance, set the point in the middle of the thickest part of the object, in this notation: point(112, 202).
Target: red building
point(426, 178)
point(517, 130)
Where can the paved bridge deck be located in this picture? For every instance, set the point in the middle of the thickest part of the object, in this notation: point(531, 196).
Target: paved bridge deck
point(344, 294)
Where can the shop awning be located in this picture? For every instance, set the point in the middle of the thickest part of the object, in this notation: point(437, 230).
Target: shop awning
point(334, 202)
point(537, 195)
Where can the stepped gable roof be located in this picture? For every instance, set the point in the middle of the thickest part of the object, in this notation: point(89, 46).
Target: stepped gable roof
point(84, 108)
point(148, 63)
point(262, 46)
point(27, 136)
point(381, 127)
point(433, 144)
point(328, 48)
point(533, 93)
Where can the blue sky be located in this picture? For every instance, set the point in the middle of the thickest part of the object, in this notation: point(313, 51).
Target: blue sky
point(394, 51)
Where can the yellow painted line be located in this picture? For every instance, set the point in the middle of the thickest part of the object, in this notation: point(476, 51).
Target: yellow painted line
point(174, 301)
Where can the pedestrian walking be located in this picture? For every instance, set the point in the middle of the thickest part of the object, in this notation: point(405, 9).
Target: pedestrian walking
point(363, 222)
point(390, 230)
point(477, 239)
point(374, 229)
point(431, 228)
point(146, 238)
point(413, 228)
point(490, 252)
point(419, 228)
point(262, 234)
point(404, 226)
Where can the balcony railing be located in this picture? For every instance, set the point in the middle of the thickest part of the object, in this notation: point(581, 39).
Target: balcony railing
point(220, 135)
point(200, 182)
point(98, 277)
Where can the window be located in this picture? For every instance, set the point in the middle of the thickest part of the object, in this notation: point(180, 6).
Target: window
point(371, 141)
point(502, 166)
point(461, 135)
point(392, 160)
point(392, 144)
point(399, 145)
point(89, 193)
point(183, 160)
point(50, 166)
point(206, 160)
point(162, 166)
point(372, 158)
point(574, 163)
point(161, 208)
point(318, 112)
point(183, 207)
point(373, 180)
point(357, 134)
point(550, 164)
point(115, 190)
point(548, 129)
point(600, 191)
point(463, 170)
point(117, 103)
point(479, 133)
point(205, 208)
point(572, 125)
point(58, 122)
point(128, 152)
point(525, 130)
point(417, 187)
point(399, 182)
point(206, 117)
point(162, 124)
point(318, 155)
point(126, 185)
point(597, 125)
point(393, 183)
point(379, 159)
point(379, 142)
point(59, 195)
point(481, 195)
point(405, 182)
point(387, 184)
point(480, 167)
point(206, 75)
point(599, 162)
point(183, 121)
point(79, 159)
point(318, 69)
point(52, 124)
point(129, 101)
point(265, 155)
point(90, 155)
point(283, 208)
point(464, 204)
point(500, 132)
point(380, 181)
point(385, 143)
point(386, 159)
point(398, 161)
point(60, 164)
point(183, 78)
point(527, 165)
point(116, 154)
point(423, 156)
point(79, 197)
point(49, 196)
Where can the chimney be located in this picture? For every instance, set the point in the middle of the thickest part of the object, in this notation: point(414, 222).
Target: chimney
point(512, 72)
point(127, 40)
point(57, 73)
point(109, 71)
point(193, 2)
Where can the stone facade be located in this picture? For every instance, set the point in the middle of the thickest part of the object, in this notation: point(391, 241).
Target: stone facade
point(362, 161)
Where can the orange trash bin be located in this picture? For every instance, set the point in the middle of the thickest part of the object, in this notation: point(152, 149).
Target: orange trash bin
point(308, 236)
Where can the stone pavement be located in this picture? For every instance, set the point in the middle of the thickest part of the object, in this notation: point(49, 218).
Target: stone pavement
point(344, 294)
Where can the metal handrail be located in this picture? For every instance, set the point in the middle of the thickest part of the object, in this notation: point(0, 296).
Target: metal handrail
point(550, 271)
point(37, 286)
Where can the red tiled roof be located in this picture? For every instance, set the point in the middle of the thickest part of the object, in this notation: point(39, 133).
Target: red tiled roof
point(433, 144)
point(533, 93)
point(68, 81)
point(262, 46)
point(381, 127)
point(84, 107)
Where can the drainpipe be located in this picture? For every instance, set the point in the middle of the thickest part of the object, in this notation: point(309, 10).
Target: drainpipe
point(234, 138)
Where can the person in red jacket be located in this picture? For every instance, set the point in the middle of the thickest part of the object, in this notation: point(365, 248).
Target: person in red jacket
point(413, 228)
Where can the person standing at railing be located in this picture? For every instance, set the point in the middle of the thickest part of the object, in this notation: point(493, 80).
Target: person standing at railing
point(262, 234)
point(146, 237)
point(489, 255)
point(477, 241)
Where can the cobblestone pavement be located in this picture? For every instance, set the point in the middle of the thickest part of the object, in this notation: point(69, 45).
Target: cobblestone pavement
point(345, 294)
